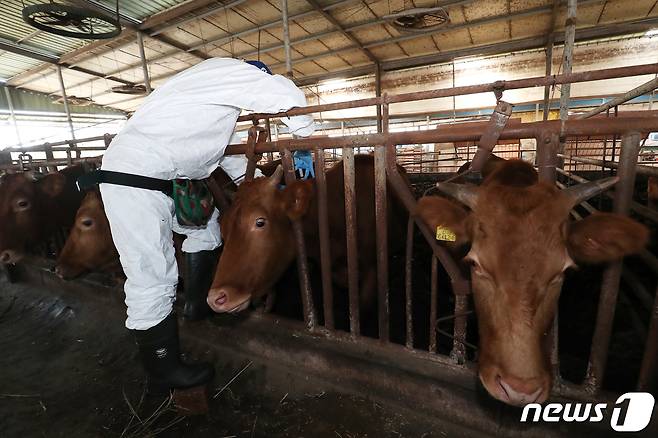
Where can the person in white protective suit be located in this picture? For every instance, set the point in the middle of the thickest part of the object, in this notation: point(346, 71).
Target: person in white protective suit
point(181, 131)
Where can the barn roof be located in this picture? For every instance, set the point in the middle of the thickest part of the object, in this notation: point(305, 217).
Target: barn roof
point(329, 38)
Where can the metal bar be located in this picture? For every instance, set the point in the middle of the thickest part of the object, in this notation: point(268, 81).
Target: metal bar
point(286, 37)
point(539, 81)
point(378, 93)
point(408, 272)
point(547, 146)
point(12, 116)
point(648, 374)
point(434, 302)
point(612, 275)
point(488, 141)
point(381, 233)
point(642, 170)
point(302, 263)
point(457, 133)
point(567, 62)
point(325, 248)
point(647, 87)
point(550, 39)
point(252, 159)
point(62, 88)
point(145, 68)
point(352, 250)
point(458, 353)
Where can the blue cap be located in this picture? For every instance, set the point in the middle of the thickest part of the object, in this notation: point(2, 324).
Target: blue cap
point(260, 66)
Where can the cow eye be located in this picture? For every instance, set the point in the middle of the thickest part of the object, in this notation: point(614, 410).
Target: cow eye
point(87, 223)
point(23, 204)
point(260, 222)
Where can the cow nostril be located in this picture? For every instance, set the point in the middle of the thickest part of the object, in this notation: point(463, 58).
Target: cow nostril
point(221, 299)
point(5, 257)
point(520, 391)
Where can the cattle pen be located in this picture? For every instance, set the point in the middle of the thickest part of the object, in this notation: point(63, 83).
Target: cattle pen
point(442, 382)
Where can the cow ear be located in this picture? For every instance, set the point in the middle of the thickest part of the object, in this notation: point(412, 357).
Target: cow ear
point(52, 184)
point(604, 237)
point(297, 197)
point(447, 216)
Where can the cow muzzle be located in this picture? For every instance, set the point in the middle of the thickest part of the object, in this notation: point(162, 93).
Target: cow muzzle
point(516, 391)
point(228, 300)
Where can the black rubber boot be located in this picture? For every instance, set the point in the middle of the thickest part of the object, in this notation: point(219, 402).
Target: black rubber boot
point(159, 351)
point(199, 274)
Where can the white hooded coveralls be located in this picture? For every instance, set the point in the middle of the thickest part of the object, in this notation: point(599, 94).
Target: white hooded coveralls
point(181, 131)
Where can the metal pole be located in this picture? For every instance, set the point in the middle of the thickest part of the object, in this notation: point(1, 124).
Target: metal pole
point(66, 102)
point(549, 58)
point(286, 37)
point(647, 87)
point(12, 116)
point(145, 68)
point(623, 198)
point(569, 41)
point(547, 88)
point(378, 93)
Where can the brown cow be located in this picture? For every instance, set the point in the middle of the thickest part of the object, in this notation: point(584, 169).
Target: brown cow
point(521, 244)
point(89, 246)
point(33, 207)
point(259, 243)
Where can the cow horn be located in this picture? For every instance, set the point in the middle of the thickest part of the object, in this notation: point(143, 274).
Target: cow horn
point(466, 194)
point(275, 179)
point(583, 192)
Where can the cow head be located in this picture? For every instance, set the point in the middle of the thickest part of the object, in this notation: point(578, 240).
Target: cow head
point(89, 246)
point(258, 240)
point(521, 244)
point(25, 203)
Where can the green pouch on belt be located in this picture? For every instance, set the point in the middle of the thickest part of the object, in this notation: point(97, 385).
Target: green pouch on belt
point(193, 201)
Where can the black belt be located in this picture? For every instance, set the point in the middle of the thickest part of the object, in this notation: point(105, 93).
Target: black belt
point(88, 180)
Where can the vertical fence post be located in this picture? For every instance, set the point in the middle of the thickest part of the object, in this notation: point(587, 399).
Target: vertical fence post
point(434, 302)
point(351, 227)
point(408, 271)
point(547, 146)
point(302, 262)
point(381, 230)
point(623, 197)
point(325, 248)
point(548, 143)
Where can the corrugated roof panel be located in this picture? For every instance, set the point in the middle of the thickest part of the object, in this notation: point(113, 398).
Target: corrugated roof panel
point(140, 9)
point(12, 64)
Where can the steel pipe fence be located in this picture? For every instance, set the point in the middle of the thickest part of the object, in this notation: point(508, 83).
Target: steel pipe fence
point(388, 178)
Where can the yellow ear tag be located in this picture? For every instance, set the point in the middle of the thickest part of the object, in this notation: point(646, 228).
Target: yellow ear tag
point(445, 234)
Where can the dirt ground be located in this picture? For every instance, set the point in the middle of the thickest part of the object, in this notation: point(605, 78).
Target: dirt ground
point(70, 371)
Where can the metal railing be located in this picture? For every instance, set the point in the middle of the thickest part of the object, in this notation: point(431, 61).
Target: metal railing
point(387, 177)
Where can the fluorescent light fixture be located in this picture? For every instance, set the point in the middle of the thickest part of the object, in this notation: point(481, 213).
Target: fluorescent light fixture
point(651, 32)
